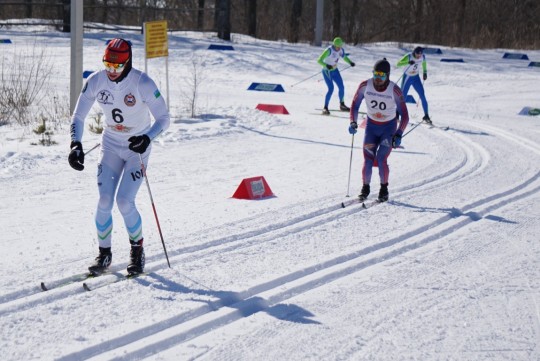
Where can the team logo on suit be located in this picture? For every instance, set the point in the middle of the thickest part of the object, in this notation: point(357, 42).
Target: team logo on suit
point(130, 100)
point(105, 97)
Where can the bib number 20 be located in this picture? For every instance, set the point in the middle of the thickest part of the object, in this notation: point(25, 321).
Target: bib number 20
point(378, 105)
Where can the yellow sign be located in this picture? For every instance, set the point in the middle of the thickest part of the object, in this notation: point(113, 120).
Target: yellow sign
point(155, 38)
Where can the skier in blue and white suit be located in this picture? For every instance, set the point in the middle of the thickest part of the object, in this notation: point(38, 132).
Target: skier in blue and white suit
point(384, 102)
point(329, 60)
point(415, 61)
point(125, 95)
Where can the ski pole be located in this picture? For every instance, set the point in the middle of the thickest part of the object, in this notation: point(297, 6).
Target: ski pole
point(397, 81)
point(350, 166)
point(91, 149)
point(301, 81)
point(418, 102)
point(154, 209)
point(403, 136)
point(341, 70)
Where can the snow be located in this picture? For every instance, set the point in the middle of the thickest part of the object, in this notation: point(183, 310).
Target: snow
point(448, 269)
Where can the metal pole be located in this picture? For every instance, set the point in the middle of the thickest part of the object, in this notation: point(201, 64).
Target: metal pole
point(340, 70)
point(303, 80)
point(403, 136)
point(76, 28)
point(91, 149)
point(154, 209)
point(397, 81)
point(350, 166)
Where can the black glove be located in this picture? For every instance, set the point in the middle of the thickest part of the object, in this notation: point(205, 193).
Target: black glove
point(76, 156)
point(352, 64)
point(353, 127)
point(411, 62)
point(329, 67)
point(425, 76)
point(396, 140)
point(139, 143)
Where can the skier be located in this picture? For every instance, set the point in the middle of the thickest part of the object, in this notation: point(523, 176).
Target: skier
point(328, 60)
point(412, 77)
point(384, 101)
point(125, 95)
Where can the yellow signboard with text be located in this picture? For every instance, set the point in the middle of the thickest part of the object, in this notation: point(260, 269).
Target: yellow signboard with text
point(155, 38)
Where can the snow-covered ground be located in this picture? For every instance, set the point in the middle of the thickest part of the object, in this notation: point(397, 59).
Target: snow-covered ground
point(448, 269)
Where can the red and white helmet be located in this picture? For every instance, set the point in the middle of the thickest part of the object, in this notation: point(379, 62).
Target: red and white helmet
point(117, 51)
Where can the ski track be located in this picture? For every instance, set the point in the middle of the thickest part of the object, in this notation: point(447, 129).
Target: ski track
point(300, 223)
point(174, 331)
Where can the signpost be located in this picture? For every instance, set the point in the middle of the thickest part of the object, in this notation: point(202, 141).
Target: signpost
point(156, 45)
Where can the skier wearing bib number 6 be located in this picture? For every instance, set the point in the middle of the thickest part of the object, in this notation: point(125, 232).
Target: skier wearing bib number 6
point(387, 118)
point(126, 97)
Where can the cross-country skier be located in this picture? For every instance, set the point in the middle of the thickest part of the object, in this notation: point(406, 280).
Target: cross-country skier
point(125, 96)
point(384, 102)
point(414, 61)
point(329, 60)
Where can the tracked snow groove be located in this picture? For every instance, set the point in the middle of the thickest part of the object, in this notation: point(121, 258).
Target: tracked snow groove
point(154, 338)
point(183, 327)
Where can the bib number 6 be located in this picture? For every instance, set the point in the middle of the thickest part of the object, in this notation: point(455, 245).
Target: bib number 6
point(117, 115)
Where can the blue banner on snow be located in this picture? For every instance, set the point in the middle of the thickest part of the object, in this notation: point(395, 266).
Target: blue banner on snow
point(518, 56)
point(5, 41)
point(447, 60)
point(220, 47)
point(265, 87)
point(534, 63)
point(432, 51)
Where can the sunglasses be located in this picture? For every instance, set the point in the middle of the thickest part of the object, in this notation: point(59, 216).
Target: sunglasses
point(380, 74)
point(113, 67)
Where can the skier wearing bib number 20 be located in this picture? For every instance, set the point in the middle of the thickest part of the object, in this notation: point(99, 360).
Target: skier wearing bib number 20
point(384, 102)
point(125, 96)
point(414, 61)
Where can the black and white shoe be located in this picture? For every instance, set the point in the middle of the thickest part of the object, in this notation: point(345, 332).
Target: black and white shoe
point(102, 262)
point(325, 111)
point(136, 264)
point(427, 119)
point(344, 108)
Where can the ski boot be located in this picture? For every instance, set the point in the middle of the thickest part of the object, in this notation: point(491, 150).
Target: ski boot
point(364, 193)
point(102, 262)
point(383, 192)
point(427, 119)
point(344, 108)
point(325, 111)
point(136, 264)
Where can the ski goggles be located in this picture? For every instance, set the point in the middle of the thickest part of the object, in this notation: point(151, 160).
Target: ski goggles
point(380, 74)
point(113, 67)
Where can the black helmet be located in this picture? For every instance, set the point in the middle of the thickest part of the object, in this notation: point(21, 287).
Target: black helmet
point(382, 65)
point(418, 50)
point(380, 82)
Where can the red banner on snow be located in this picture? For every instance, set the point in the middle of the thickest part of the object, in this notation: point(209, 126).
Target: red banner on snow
point(273, 108)
point(253, 188)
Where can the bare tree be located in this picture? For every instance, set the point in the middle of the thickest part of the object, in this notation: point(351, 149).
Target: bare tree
point(200, 14)
point(223, 25)
point(478, 23)
point(336, 18)
point(251, 16)
point(296, 13)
